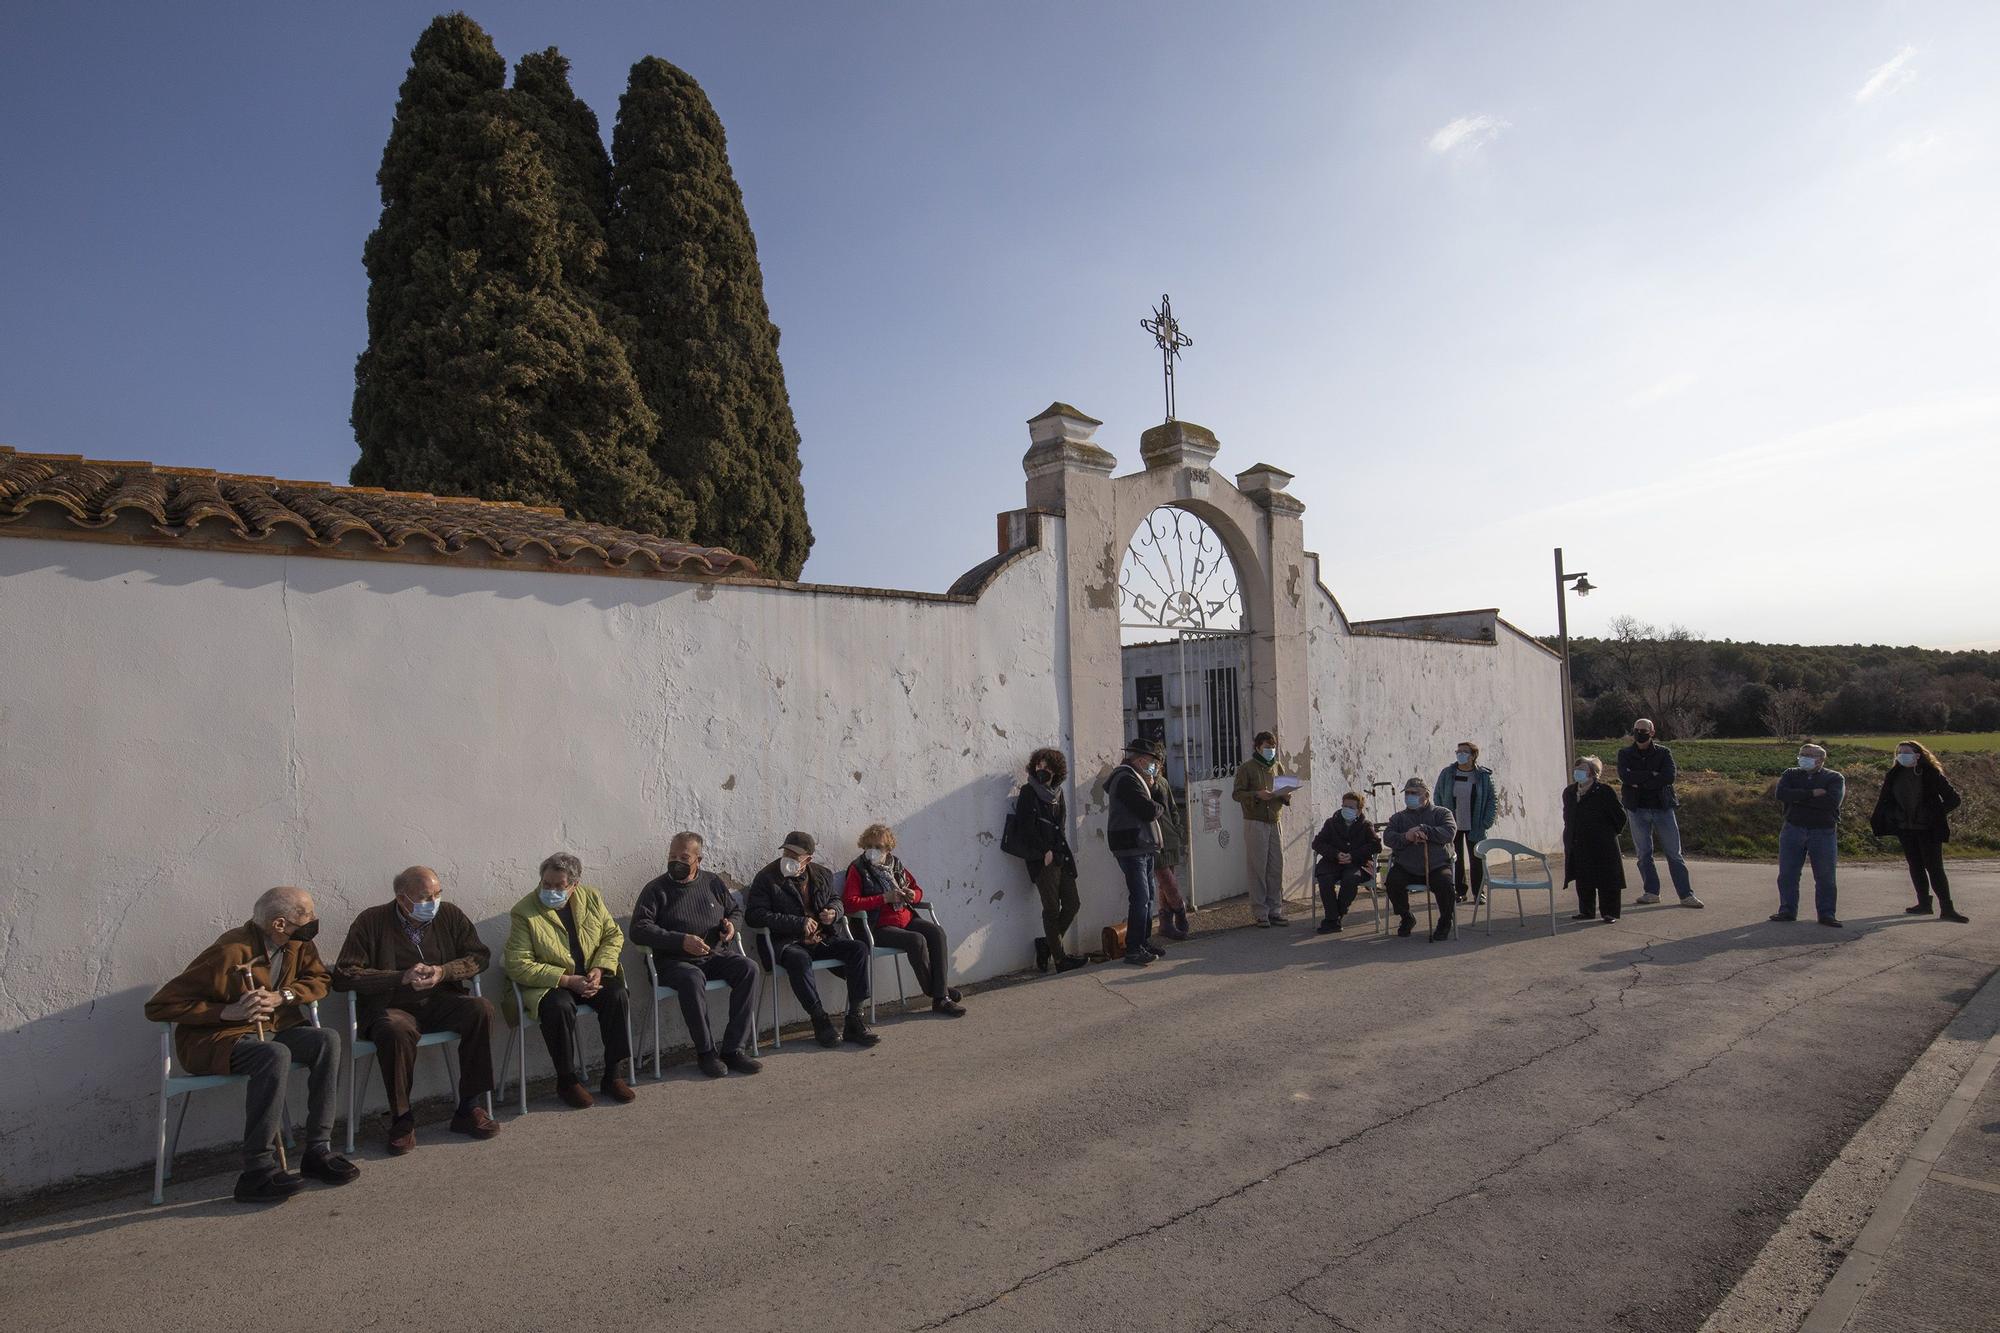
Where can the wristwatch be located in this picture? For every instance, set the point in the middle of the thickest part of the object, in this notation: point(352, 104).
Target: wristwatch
point(289, 995)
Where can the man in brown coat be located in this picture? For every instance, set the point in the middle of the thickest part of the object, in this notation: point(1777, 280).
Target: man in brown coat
point(407, 962)
point(239, 1009)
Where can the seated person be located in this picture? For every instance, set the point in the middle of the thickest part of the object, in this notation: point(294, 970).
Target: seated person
point(562, 951)
point(794, 899)
point(880, 885)
point(1419, 837)
point(407, 962)
point(239, 1009)
point(1347, 847)
point(688, 918)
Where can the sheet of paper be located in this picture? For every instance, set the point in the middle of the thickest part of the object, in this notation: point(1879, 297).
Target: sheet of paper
point(1281, 785)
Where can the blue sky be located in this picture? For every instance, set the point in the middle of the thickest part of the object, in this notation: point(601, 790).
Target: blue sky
point(1707, 294)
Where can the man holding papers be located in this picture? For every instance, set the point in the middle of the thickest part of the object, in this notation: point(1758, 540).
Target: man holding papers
point(1264, 789)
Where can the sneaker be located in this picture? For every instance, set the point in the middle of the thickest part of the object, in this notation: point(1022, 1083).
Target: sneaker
point(1954, 915)
point(1069, 962)
point(950, 1008)
point(1479, 899)
point(1281, 920)
point(856, 1032)
point(1335, 925)
point(1649, 897)
point(1155, 950)
point(1326, 927)
point(475, 1123)
point(1921, 909)
point(741, 1063)
point(575, 1094)
point(617, 1089)
point(951, 993)
point(1140, 959)
point(824, 1031)
point(269, 1185)
point(711, 1064)
point(1692, 901)
point(402, 1134)
point(1830, 921)
point(1612, 917)
point(328, 1166)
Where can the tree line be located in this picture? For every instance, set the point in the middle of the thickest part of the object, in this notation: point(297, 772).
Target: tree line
point(555, 324)
point(1693, 687)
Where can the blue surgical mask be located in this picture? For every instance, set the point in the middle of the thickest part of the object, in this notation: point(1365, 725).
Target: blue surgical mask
point(424, 911)
point(1582, 775)
point(1465, 756)
point(1349, 813)
point(1413, 800)
point(1267, 754)
point(552, 898)
point(1808, 761)
point(1907, 758)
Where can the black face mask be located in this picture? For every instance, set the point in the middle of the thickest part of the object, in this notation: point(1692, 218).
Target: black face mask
point(1642, 736)
point(307, 931)
point(680, 872)
point(1043, 776)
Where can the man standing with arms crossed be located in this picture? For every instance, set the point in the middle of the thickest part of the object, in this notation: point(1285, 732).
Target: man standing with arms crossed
point(1646, 781)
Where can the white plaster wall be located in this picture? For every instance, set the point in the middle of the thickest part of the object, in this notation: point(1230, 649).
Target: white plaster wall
point(183, 729)
point(1393, 708)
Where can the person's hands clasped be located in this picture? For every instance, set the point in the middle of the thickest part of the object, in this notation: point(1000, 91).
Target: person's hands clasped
point(584, 986)
point(1346, 860)
point(812, 931)
point(254, 1007)
point(423, 976)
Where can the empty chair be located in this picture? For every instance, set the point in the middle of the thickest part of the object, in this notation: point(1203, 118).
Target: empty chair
point(1516, 879)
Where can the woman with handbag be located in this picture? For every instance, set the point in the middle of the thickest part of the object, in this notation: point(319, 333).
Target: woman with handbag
point(1038, 833)
point(1913, 808)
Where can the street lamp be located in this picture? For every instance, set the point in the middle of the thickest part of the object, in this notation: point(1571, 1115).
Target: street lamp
point(1583, 589)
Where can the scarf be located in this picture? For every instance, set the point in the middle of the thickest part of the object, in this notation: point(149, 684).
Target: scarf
point(1049, 795)
point(885, 879)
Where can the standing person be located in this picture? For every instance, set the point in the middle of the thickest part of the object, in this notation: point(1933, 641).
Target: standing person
point(562, 951)
point(1346, 846)
point(1173, 846)
point(1646, 780)
point(1913, 807)
point(794, 899)
point(222, 1016)
point(1263, 834)
point(689, 919)
point(1041, 838)
point(407, 962)
point(879, 884)
point(1132, 831)
point(1467, 788)
point(1419, 838)
point(1592, 819)
point(1811, 795)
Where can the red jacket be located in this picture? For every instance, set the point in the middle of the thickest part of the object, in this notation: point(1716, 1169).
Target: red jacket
point(855, 899)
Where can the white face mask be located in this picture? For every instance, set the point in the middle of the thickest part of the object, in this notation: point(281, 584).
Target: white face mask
point(1907, 758)
point(791, 866)
point(876, 855)
point(1582, 775)
point(1808, 761)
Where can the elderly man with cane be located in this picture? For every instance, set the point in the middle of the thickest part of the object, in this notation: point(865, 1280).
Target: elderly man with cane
point(238, 1009)
point(1419, 837)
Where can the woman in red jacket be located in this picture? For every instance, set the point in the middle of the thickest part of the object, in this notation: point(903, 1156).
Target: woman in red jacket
point(879, 885)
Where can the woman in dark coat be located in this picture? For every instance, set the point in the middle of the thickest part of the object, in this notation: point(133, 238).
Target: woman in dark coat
point(1592, 820)
point(1916, 798)
point(1041, 840)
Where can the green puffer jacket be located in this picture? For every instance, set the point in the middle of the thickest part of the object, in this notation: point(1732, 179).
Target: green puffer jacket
point(537, 952)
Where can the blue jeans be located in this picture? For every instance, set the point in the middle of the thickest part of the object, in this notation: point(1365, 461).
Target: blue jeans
point(1795, 845)
point(1650, 827)
point(1138, 902)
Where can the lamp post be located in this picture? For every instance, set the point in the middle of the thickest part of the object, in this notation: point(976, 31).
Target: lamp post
point(1583, 586)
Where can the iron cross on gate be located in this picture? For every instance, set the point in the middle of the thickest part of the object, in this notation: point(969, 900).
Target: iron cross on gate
point(1167, 336)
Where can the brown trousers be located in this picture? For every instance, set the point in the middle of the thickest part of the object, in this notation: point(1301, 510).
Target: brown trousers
point(395, 1033)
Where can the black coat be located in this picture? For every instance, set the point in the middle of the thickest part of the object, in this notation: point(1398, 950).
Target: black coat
point(1591, 824)
point(1042, 827)
point(782, 905)
point(1335, 836)
point(1939, 799)
point(1133, 811)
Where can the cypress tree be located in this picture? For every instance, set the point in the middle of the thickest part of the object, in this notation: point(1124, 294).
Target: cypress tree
point(545, 103)
point(684, 266)
point(486, 374)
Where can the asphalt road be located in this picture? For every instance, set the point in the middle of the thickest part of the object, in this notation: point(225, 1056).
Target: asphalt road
point(1271, 1130)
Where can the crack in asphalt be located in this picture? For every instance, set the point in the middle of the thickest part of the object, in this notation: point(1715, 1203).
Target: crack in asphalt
point(1098, 977)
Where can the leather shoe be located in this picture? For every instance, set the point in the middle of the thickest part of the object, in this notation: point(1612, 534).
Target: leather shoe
point(856, 1032)
point(741, 1063)
point(267, 1186)
point(1409, 924)
point(576, 1095)
point(329, 1167)
point(1070, 962)
point(1954, 915)
point(1830, 921)
point(1783, 916)
point(402, 1135)
point(475, 1123)
point(950, 1008)
point(824, 1031)
point(617, 1089)
point(1920, 909)
point(711, 1065)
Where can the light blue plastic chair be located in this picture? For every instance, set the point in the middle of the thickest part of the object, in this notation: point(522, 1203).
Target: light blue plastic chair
point(359, 1050)
point(663, 995)
point(1514, 879)
point(183, 1085)
point(867, 936)
point(767, 958)
point(518, 1043)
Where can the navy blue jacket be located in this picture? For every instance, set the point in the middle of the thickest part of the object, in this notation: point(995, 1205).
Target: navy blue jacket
point(1646, 777)
point(1795, 793)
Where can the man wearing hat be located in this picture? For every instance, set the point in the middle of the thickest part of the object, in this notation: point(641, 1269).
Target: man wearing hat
point(795, 899)
point(1132, 831)
point(1419, 839)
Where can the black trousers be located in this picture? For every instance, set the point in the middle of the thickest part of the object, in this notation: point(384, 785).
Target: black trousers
point(558, 1015)
point(1605, 900)
point(798, 957)
point(930, 956)
point(395, 1033)
point(1466, 864)
point(1336, 892)
point(308, 1052)
point(1056, 885)
point(1924, 854)
point(689, 978)
point(1398, 881)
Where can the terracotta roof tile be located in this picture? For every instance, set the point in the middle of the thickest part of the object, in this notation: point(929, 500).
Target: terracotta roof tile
point(314, 517)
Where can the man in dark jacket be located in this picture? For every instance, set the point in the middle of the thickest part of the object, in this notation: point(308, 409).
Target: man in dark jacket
point(690, 920)
point(1346, 846)
point(1811, 795)
point(797, 902)
point(1132, 831)
point(1646, 783)
point(407, 961)
point(1419, 839)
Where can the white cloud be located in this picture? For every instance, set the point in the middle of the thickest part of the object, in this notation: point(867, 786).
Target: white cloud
point(1468, 134)
point(1667, 388)
point(1898, 71)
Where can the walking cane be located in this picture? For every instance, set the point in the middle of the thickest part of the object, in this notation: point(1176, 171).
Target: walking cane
point(250, 984)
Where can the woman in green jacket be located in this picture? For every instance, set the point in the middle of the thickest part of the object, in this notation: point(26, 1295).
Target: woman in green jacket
point(562, 951)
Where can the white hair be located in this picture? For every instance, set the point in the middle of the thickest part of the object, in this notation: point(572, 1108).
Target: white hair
point(283, 901)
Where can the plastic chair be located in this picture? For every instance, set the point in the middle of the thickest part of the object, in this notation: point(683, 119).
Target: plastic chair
point(359, 1050)
point(895, 956)
point(174, 1085)
point(1515, 851)
point(663, 994)
point(518, 1043)
point(767, 958)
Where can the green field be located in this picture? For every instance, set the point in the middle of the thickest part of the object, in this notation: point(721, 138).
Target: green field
point(1727, 806)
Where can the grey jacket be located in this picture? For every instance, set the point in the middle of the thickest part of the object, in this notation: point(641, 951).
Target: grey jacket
point(1420, 858)
point(1132, 823)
